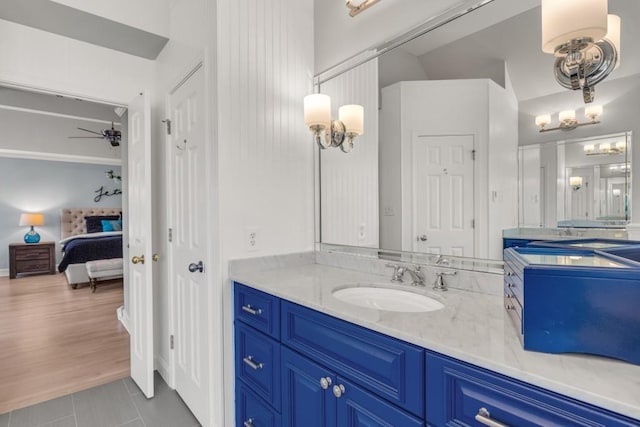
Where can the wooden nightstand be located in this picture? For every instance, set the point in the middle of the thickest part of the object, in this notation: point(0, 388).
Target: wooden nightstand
point(34, 258)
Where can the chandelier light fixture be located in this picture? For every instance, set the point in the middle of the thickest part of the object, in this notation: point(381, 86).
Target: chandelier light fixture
point(357, 6)
point(585, 41)
point(333, 133)
point(568, 120)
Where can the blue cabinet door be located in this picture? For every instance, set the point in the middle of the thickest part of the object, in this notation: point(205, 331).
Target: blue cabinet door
point(305, 402)
point(251, 411)
point(359, 408)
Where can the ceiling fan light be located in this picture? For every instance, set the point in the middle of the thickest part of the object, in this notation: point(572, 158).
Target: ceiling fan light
point(566, 20)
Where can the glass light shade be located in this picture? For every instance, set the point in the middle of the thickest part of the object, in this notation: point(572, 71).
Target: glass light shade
point(613, 33)
point(567, 116)
point(605, 147)
point(31, 219)
point(590, 148)
point(566, 20)
point(317, 110)
point(575, 181)
point(593, 111)
point(621, 145)
point(616, 191)
point(352, 116)
point(543, 120)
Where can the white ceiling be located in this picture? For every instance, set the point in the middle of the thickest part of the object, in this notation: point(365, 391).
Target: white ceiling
point(517, 42)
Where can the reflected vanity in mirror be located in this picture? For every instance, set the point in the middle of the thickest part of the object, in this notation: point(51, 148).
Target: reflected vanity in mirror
point(451, 156)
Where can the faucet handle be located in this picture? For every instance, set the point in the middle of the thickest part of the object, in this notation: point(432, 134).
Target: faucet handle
point(398, 272)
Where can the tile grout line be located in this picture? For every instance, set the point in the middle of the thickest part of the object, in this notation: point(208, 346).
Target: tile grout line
point(73, 406)
point(134, 404)
point(11, 415)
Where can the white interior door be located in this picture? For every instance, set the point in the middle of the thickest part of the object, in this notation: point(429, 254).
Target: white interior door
point(140, 244)
point(443, 208)
point(189, 250)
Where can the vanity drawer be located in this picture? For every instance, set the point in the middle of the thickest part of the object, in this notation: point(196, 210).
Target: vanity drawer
point(390, 368)
point(257, 362)
point(457, 393)
point(514, 310)
point(255, 308)
point(251, 411)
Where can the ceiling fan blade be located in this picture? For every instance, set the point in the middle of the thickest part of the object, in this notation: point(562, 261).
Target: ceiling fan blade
point(91, 131)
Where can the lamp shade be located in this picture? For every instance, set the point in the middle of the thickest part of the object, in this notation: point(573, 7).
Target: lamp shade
point(543, 120)
point(567, 116)
point(317, 110)
point(566, 20)
point(575, 181)
point(31, 219)
point(605, 147)
point(592, 112)
point(589, 148)
point(352, 116)
point(613, 34)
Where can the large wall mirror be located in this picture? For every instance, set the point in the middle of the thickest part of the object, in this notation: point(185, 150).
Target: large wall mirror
point(452, 154)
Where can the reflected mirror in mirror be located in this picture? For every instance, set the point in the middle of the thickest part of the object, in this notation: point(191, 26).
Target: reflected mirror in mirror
point(447, 118)
point(583, 183)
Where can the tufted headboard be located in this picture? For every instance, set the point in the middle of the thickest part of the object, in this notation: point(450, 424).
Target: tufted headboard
point(72, 220)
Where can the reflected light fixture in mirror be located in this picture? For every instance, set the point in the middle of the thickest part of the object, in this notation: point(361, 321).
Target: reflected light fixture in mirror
point(605, 148)
point(568, 119)
point(585, 41)
point(357, 6)
point(333, 133)
point(575, 182)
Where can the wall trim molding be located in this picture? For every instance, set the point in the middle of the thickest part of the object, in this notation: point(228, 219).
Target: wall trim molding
point(57, 157)
point(50, 113)
point(123, 317)
point(4, 272)
point(162, 367)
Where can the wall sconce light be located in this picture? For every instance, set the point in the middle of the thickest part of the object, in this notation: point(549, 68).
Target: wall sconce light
point(333, 133)
point(568, 119)
point(30, 220)
point(575, 182)
point(616, 192)
point(357, 6)
point(585, 41)
point(605, 148)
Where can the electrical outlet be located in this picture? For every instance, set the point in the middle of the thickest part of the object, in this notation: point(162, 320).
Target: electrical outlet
point(251, 236)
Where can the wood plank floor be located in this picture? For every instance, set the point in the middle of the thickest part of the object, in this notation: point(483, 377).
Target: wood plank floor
point(55, 340)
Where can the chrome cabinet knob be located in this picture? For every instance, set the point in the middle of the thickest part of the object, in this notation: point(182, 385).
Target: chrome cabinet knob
point(325, 383)
point(248, 423)
point(193, 267)
point(138, 259)
point(338, 390)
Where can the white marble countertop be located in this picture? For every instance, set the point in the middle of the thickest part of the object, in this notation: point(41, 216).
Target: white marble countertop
point(473, 327)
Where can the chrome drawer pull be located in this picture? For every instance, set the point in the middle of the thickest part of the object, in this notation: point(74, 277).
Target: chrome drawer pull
point(248, 423)
point(325, 382)
point(251, 310)
point(253, 365)
point(484, 417)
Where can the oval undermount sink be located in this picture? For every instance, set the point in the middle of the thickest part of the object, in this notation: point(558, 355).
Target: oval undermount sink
point(387, 299)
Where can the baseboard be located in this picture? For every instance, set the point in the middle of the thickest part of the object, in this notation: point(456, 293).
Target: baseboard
point(4, 272)
point(123, 317)
point(162, 367)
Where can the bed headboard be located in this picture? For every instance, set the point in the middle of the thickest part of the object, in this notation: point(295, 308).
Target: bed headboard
point(72, 220)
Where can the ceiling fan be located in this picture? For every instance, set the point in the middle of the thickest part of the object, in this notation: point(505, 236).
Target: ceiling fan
point(112, 135)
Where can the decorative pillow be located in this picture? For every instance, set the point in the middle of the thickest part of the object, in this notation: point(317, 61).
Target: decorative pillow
point(94, 223)
point(111, 225)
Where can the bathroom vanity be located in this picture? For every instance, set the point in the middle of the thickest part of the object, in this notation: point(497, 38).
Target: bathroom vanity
point(304, 357)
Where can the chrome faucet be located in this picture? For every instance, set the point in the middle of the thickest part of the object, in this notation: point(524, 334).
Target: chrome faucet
point(441, 261)
point(417, 276)
point(398, 272)
point(439, 284)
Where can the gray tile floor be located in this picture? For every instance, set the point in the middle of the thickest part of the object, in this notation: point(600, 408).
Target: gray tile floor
point(117, 404)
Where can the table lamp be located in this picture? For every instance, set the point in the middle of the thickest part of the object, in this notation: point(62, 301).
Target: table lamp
point(31, 219)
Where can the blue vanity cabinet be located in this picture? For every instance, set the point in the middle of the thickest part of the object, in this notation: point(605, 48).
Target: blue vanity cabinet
point(257, 358)
point(315, 396)
point(508, 242)
point(464, 395)
point(574, 301)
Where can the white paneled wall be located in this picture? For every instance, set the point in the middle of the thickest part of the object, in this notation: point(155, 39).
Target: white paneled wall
point(349, 182)
point(266, 156)
point(265, 68)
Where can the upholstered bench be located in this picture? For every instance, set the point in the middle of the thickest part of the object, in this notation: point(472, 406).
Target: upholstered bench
point(103, 269)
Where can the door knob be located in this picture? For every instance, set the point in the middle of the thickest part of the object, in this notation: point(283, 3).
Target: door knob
point(138, 259)
point(193, 267)
point(422, 238)
point(155, 257)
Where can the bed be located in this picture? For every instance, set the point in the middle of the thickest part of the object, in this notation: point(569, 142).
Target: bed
point(79, 247)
